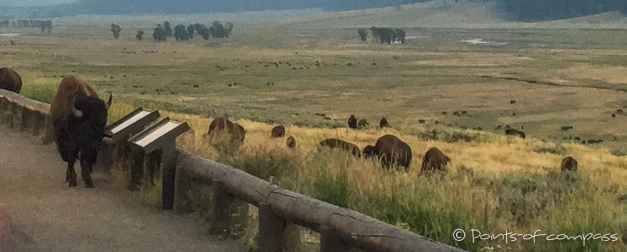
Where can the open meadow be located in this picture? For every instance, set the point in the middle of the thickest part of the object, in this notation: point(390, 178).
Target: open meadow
point(310, 72)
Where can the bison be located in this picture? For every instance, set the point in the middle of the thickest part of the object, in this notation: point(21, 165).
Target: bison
point(10, 80)
point(384, 123)
point(434, 160)
point(278, 131)
point(569, 164)
point(362, 123)
point(338, 143)
point(392, 150)
point(79, 118)
point(515, 132)
point(352, 122)
point(291, 142)
point(223, 124)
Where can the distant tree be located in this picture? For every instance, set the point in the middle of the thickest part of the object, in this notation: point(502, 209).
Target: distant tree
point(362, 34)
point(115, 29)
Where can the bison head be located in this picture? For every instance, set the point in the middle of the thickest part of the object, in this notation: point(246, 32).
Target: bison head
point(89, 118)
point(370, 151)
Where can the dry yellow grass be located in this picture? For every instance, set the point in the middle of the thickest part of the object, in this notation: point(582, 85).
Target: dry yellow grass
point(432, 73)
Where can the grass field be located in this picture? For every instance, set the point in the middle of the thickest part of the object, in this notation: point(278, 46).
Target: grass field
point(275, 70)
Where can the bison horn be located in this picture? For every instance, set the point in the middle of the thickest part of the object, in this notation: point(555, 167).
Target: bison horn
point(110, 98)
point(108, 140)
point(76, 112)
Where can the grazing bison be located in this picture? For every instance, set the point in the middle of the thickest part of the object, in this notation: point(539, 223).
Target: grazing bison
point(79, 118)
point(569, 164)
point(352, 122)
point(362, 34)
point(224, 125)
point(10, 80)
point(116, 30)
point(434, 160)
point(291, 142)
point(393, 151)
point(400, 35)
point(515, 132)
point(278, 131)
point(140, 35)
point(362, 123)
point(384, 123)
point(338, 143)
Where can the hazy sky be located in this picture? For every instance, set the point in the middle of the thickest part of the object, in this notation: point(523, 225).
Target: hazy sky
point(32, 2)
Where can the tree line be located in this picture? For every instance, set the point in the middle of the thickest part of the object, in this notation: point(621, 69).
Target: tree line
point(522, 10)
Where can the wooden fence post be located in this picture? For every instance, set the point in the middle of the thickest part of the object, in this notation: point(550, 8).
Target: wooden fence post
point(48, 130)
point(137, 166)
point(14, 109)
point(39, 123)
point(330, 240)
point(220, 220)
point(168, 161)
point(272, 228)
point(182, 185)
point(27, 118)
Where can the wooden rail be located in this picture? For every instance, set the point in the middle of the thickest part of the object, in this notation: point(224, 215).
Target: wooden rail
point(340, 229)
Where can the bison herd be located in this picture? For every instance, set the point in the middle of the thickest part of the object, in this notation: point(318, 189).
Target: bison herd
point(383, 34)
point(182, 32)
point(79, 118)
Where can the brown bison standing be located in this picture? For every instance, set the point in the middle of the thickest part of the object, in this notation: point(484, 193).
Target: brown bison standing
point(291, 142)
point(569, 164)
point(362, 123)
point(278, 131)
point(10, 80)
point(338, 143)
point(224, 125)
point(515, 132)
point(384, 123)
point(393, 150)
point(79, 118)
point(352, 122)
point(434, 160)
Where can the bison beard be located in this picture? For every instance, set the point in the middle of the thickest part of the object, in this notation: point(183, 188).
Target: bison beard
point(79, 118)
point(434, 160)
point(10, 80)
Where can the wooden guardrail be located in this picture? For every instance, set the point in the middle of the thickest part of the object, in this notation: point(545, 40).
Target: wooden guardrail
point(340, 229)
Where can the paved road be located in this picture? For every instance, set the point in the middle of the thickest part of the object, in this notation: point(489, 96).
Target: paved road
point(38, 212)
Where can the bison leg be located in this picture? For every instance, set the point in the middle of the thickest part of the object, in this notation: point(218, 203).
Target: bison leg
point(88, 158)
point(70, 174)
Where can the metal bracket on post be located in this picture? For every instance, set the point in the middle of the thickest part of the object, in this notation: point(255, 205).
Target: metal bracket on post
point(162, 135)
point(120, 130)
